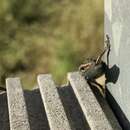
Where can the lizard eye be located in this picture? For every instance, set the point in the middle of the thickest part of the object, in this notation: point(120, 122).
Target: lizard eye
point(82, 69)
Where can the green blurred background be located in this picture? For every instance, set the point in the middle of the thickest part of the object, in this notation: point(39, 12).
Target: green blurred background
point(48, 36)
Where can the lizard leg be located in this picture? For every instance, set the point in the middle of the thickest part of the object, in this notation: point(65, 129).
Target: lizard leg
point(99, 87)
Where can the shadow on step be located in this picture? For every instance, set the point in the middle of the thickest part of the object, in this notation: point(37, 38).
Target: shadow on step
point(72, 109)
point(4, 116)
point(36, 111)
point(118, 112)
point(106, 108)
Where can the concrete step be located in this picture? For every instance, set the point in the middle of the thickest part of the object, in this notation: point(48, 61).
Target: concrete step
point(73, 106)
point(92, 110)
point(54, 109)
point(26, 110)
point(16, 103)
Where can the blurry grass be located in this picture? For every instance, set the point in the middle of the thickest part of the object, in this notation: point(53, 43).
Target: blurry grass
point(48, 37)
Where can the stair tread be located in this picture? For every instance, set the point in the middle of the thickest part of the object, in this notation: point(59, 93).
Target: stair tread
point(92, 110)
point(57, 117)
point(16, 104)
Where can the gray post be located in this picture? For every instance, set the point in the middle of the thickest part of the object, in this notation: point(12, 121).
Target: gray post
point(117, 26)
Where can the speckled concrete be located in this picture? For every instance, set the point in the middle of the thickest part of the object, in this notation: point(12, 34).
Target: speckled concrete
point(93, 112)
point(17, 108)
point(53, 106)
point(73, 106)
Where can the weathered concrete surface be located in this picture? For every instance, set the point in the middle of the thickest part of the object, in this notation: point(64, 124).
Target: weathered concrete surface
point(93, 112)
point(53, 106)
point(117, 26)
point(16, 104)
